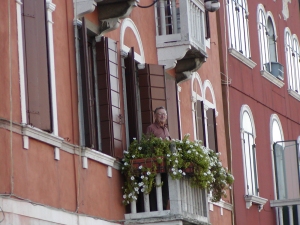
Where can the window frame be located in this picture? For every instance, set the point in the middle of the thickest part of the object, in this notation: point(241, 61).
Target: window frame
point(291, 43)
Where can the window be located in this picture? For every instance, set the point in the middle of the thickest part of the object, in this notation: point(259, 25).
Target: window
point(237, 12)
point(249, 151)
point(36, 66)
point(267, 40)
point(205, 116)
point(100, 113)
point(292, 62)
point(145, 91)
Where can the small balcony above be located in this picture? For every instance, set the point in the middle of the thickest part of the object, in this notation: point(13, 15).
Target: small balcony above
point(180, 204)
point(180, 35)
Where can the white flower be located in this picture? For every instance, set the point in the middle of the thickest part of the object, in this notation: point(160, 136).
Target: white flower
point(140, 148)
point(173, 169)
point(176, 161)
point(196, 144)
point(168, 155)
point(191, 146)
point(187, 142)
point(125, 152)
point(140, 167)
point(180, 171)
point(183, 173)
point(136, 189)
point(174, 173)
point(132, 178)
point(142, 190)
point(189, 151)
point(125, 163)
point(129, 195)
point(148, 173)
point(134, 138)
point(160, 138)
point(204, 174)
point(142, 177)
point(179, 149)
point(141, 184)
point(133, 156)
point(124, 196)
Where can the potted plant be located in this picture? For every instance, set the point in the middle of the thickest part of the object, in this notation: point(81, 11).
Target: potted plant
point(179, 158)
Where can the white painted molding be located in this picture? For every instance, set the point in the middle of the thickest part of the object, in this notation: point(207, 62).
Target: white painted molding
point(85, 164)
point(128, 23)
point(109, 171)
point(82, 7)
point(294, 94)
point(21, 61)
point(242, 58)
point(272, 78)
point(58, 142)
point(56, 153)
point(50, 10)
point(42, 214)
point(251, 199)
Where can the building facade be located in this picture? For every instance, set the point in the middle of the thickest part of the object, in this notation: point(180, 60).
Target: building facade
point(80, 80)
point(260, 70)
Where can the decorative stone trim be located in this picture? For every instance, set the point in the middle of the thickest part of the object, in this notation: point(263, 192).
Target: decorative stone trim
point(58, 143)
point(251, 199)
point(294, 94)
point(242, 58)
point(272, 78)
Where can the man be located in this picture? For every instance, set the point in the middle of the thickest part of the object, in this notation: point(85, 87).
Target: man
point(159, 127)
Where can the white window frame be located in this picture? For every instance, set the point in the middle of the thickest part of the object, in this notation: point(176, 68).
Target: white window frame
point(292, 50)
point(250, 198)
point(238, 27)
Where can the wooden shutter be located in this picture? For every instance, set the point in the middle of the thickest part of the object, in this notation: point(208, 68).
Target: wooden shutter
point(88, 96)
point(131, 91)
point(211, 129)
point(152, 92)
point(36, 64)
point(172, 105)
point(109, 97)
point(200, 122)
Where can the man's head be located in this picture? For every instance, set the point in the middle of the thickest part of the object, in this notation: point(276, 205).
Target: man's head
point(160, 115)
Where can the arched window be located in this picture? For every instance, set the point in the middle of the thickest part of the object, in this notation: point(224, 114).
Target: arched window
point(267, 45)
point(293, 63)
point(249, 151)
point(237, 12)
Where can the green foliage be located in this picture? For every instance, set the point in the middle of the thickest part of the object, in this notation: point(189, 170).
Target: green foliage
point(204, 167)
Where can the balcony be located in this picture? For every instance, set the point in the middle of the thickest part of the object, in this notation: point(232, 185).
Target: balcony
point(180, 39)
point(286, 162)
point(187, 205)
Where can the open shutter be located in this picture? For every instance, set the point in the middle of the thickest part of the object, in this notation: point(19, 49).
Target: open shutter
point(87, 89)
point(211, 129)
point(109, 97)
point(152, 92)
point(172, 105)
point(36, 64)
point(131, 90)
point(200, 122)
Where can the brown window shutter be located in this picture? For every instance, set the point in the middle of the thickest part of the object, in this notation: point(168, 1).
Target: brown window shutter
point(211, 129)
point(88, 93)
point(200, 122)
point(109, 97)
point(172, 105)
point(36, 64)
point(152, 91)
point(131, 92)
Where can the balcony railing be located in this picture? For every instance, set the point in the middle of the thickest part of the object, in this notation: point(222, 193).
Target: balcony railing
point(180, 33)
point(286, 163)
point(186, 203)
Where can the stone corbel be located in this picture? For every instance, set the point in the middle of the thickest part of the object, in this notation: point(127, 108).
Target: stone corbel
point(109, 14)
point(82, 7)
point(185, 67)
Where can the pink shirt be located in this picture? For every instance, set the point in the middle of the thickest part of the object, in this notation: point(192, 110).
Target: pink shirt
point(158, 131)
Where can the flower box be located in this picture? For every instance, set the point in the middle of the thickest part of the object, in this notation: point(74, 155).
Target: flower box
point(138, 164)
